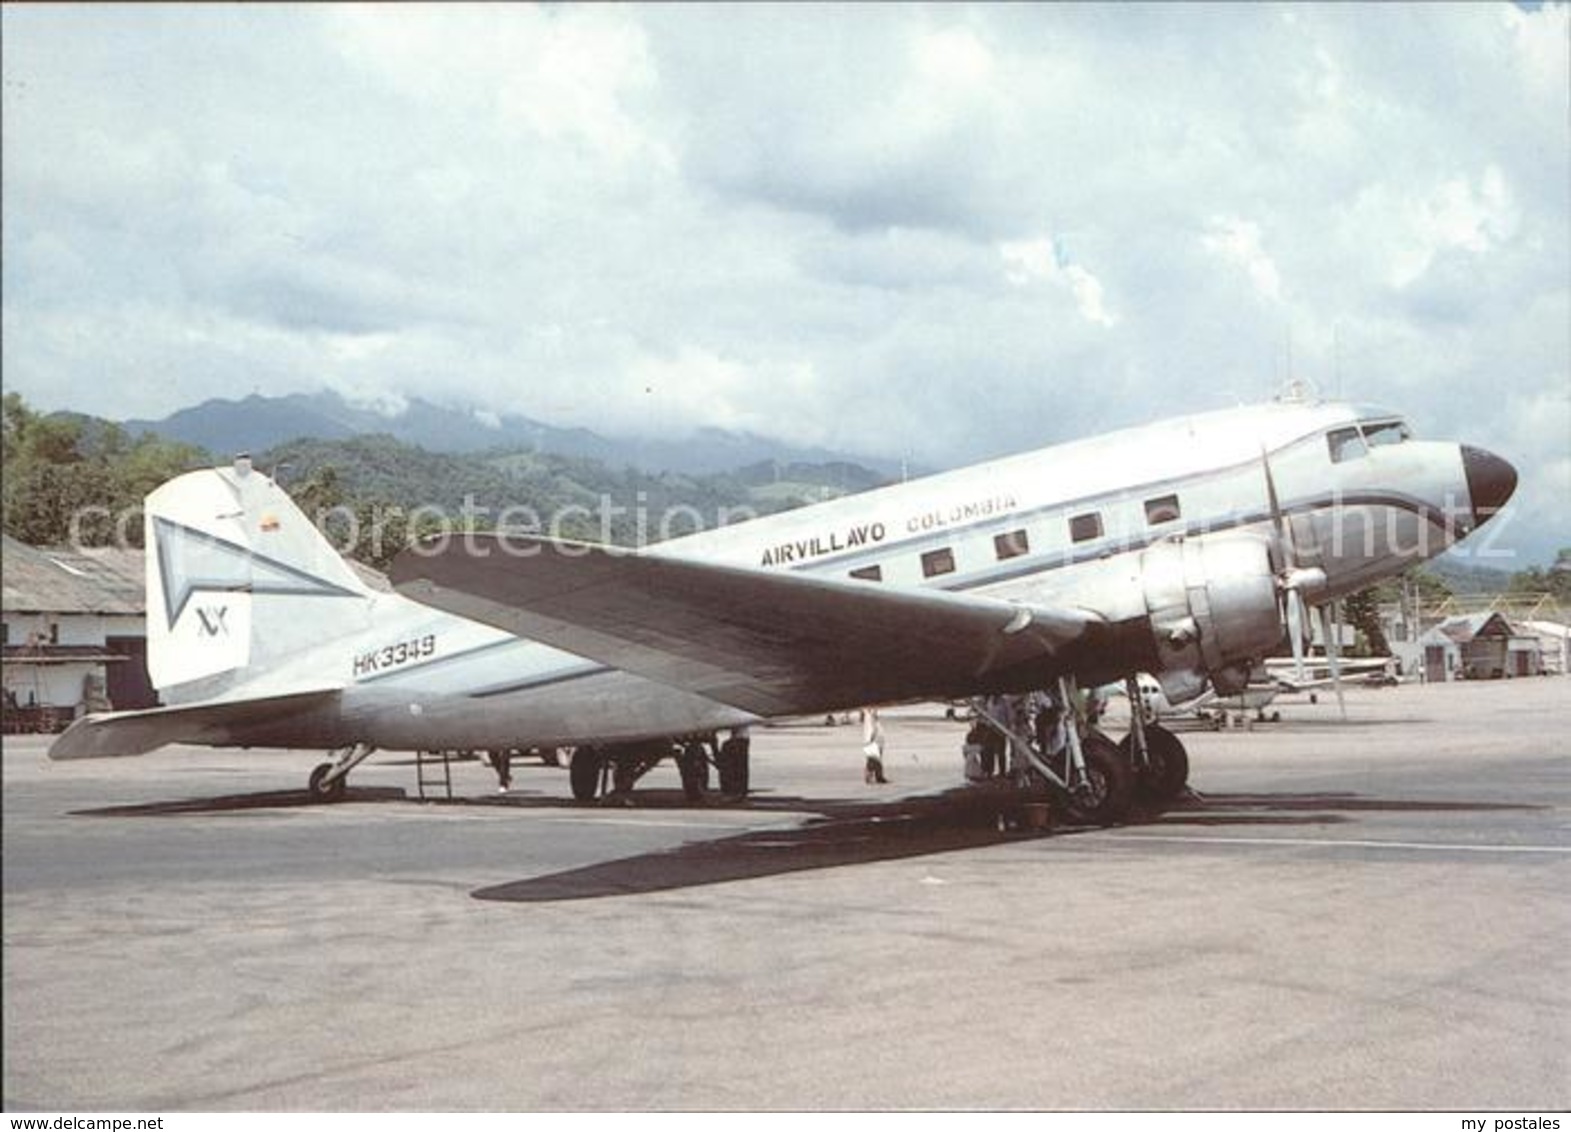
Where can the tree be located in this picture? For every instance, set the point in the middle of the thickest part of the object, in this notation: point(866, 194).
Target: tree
point(1555, 581)
point(1362, 611)
point(18, 419)
point(1429, 587)
point(43, 473)
point(78, 479)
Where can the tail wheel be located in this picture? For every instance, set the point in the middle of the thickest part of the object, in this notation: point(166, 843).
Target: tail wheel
point(322, 790)
point(1105, 795)
point(583, 771)
point(1166, 772)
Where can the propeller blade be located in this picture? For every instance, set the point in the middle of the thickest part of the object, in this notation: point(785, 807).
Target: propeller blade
point(1284, 532)
point(1333, 653)
point(1295, 629)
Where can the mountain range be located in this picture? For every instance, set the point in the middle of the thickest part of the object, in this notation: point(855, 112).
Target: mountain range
point(257, 423)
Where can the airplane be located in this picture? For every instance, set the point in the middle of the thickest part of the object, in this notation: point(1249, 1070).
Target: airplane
point(1329, 671)
point(1184, 548)
point(1271, 678)
point(1209, 707)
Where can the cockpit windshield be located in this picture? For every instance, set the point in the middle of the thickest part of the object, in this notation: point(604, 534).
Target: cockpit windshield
point(1355, 441)
point(1345, 444)
point(1387, 432)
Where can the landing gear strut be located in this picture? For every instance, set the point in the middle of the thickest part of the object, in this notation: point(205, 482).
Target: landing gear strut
point(1088, 773)
point(612, 771)
point(1085, 771)
point(1165, 773)
point(1106, 786)
point(328, 780)
point(1158, 759)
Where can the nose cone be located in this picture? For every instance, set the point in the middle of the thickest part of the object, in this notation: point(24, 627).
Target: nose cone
point(1490, 481)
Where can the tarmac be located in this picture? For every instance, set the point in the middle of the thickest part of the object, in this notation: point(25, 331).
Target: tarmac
point(1360, 915)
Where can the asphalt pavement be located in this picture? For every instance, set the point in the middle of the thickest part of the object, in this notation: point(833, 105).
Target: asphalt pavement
point(1360, 915)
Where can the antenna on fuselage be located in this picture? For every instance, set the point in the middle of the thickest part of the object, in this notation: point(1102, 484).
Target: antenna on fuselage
point(1336, 357)
point(1295, 390)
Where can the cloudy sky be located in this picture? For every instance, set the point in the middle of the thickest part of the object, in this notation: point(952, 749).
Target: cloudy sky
point(935, 232)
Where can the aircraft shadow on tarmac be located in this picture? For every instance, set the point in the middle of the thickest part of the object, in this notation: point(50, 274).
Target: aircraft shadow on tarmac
point(838, 832)
point(238, 803)
point(914, 827)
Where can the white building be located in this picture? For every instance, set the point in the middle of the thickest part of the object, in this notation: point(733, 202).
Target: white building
point(75, 633)
point(1478, 646)
point(1554, 643)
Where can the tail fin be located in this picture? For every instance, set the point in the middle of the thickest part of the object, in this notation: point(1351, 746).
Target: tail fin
point(238, 579)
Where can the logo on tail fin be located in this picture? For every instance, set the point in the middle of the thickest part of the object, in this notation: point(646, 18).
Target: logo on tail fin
point(214, 620)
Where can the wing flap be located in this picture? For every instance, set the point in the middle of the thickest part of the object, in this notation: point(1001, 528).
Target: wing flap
point(768, 642)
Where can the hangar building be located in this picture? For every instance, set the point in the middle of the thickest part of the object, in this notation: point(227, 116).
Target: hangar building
point(1479, 646)
point(75, 633)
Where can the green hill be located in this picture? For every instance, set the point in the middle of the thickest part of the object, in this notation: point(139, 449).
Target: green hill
point(385, 481)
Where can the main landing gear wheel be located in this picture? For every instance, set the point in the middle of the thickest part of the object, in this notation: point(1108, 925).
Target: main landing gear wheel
point(1104, 797)
point(733, 764)
point(693, 763)
point(584, 772)
point(1166, 772)
point(321, 790)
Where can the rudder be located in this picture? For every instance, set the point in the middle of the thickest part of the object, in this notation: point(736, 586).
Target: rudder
point(237, 580)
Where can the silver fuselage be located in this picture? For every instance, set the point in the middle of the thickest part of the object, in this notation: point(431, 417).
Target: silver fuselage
point(415, 677)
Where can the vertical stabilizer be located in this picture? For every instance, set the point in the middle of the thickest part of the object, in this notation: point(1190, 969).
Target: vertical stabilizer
point(238, 579)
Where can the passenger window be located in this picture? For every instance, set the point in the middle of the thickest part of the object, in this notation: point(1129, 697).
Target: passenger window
point(1163, 509)
point(1345, 444)
point(1389, 432)
point(1084, 528)
point(869, 573)
point(936, 562)
point(1011, 545)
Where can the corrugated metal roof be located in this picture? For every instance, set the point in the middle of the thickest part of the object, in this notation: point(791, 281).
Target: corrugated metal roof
point(71, 579)
point(98, 579)
point(1466, 627)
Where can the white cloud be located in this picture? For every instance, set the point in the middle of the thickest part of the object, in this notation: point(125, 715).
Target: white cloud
point(1029, 260)
point(940, 232)
point(380, 401)
point(1543, 415)
point(1542, 42)
point(573, 73)
point(1238, 242)
point(1454, 216)
point(1043, 260)
point(952, 58)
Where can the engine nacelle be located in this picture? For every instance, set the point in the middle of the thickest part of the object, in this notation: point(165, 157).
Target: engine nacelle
point(1212, 604)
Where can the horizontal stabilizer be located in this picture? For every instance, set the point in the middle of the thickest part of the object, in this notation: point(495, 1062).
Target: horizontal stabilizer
point(109, 734)
point(766, 641)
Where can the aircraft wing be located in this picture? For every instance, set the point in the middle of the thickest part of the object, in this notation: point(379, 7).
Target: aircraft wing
point(768, 642)
point(108, 734)
point(1283, 675)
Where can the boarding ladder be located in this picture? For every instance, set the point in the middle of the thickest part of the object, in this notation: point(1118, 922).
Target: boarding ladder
point(434, 775)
